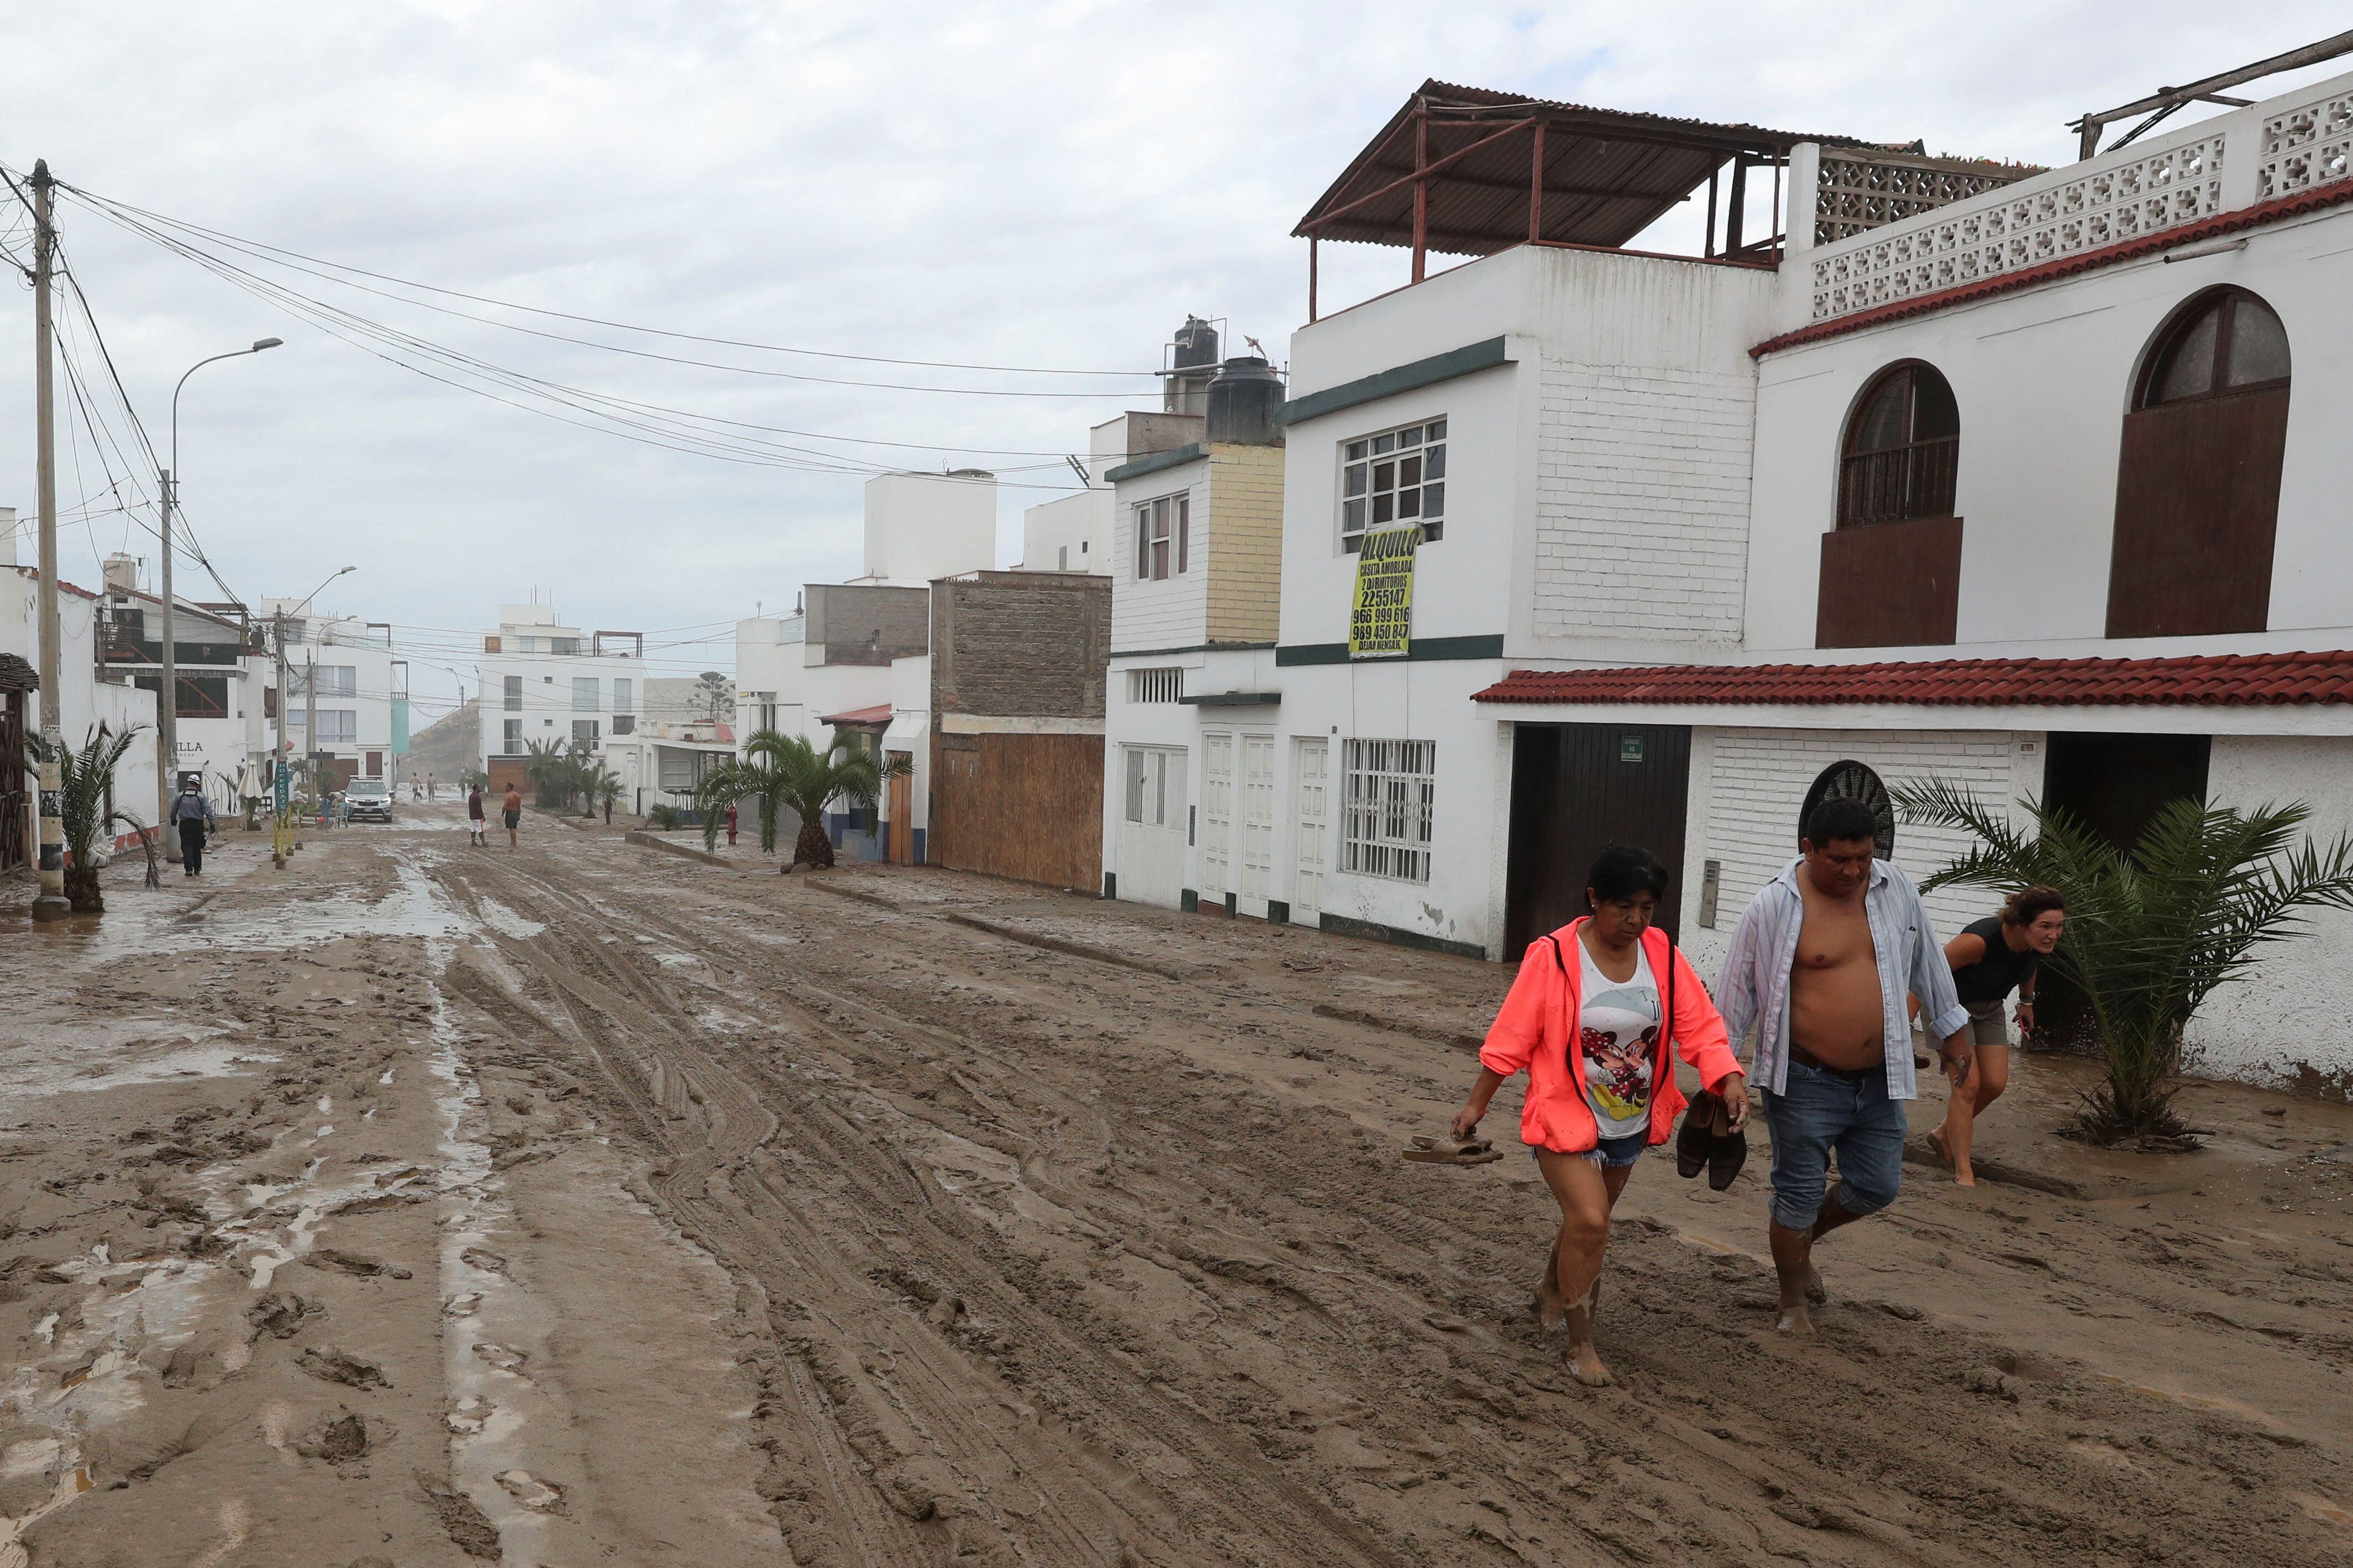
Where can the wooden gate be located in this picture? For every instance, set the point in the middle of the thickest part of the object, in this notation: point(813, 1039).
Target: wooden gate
point(903, 811)
point(1577, 789)
point(15, 800)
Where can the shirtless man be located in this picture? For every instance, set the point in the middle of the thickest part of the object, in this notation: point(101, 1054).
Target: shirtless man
point(1821, 964)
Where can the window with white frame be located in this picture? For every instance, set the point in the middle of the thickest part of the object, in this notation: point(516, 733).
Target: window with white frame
point(1156, 786)
point(513, 693)
point(337, 727)
point(1163, 530)
point(624, 694)
point(1395, 477)
point(1392, 787)
point(588, 694)
point(1165, 684)
point(584, 731)
point(511, 743)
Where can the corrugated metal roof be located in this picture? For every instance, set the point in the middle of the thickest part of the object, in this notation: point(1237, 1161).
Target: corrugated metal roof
point(1608, 174)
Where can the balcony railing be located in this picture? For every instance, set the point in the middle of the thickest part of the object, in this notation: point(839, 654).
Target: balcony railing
point(1899, 483)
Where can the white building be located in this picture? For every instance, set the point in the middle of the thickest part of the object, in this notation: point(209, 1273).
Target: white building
point(544, 681)
point(225, 721)
point(2027, 487)
point(362, 700)
point(662, 764)
point(834, 668)
point(86, 703)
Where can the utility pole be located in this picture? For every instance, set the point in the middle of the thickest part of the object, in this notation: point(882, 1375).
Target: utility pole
point(278, 758)
point(311, 714)
point(167, 702)
point(50, 903)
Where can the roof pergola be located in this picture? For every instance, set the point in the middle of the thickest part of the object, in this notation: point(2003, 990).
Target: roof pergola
point(1470, 172)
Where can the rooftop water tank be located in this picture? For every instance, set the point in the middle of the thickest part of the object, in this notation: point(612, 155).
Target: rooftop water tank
point(1246, 405)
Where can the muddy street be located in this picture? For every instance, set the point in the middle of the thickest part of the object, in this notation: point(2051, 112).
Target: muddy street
point(423, 1205)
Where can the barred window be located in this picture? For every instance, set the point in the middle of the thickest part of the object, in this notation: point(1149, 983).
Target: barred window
point(1392, 788)
point(1162, 536)
point(1161, 685)
point(1396, 476)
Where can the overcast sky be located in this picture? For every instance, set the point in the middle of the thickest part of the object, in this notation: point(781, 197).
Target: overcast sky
point(1045, 186)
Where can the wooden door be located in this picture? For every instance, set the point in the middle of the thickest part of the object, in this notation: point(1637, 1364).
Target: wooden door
point(1216, 830)
point(1257, 879)
point(1576, 790)
point(1312, 806)
point(2197, 510)
point(903, 812)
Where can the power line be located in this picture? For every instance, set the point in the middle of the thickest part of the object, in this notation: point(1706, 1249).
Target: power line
point(256, 248)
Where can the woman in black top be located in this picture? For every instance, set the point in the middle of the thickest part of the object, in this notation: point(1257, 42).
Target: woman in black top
point(1991, 958)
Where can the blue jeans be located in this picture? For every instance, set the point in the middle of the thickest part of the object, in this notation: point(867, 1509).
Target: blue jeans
point(1817, 1112)
point(1610, 1153)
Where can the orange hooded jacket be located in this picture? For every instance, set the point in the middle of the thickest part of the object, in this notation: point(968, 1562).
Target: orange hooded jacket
point(1538, 1022)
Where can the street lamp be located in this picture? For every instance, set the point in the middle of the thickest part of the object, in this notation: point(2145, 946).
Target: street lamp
point(167, 705)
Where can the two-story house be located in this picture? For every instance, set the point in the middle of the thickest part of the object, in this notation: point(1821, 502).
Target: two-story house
point(1191, 702)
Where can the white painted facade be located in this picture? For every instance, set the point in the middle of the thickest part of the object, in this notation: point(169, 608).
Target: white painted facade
point(539, 680)
point(924, 526)
point(353, 663)
point(1629, 486)
point(85, 703)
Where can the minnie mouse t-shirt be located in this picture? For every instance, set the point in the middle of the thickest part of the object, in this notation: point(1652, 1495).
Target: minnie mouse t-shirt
point(1617, 1027)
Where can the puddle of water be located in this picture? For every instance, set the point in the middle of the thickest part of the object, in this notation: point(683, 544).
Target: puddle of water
point(103, 1058)
point(504, 920)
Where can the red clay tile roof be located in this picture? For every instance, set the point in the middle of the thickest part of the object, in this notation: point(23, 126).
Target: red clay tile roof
point(2090, 260)
point(2202, 681)
point(859, 716)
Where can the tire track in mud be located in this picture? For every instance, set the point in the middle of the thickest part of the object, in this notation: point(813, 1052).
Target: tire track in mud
point(1871, 1466)
point(933, 1409)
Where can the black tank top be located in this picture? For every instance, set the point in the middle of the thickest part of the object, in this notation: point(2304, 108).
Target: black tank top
point(1999, 971)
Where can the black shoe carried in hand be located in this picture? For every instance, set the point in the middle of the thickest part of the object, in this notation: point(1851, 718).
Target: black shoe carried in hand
point(1695, 1141)
point(1727, 1152)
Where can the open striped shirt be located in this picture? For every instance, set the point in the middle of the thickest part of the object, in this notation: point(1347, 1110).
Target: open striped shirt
point(1754, 988)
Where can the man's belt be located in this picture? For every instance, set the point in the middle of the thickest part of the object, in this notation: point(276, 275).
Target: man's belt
point(1799, 1053)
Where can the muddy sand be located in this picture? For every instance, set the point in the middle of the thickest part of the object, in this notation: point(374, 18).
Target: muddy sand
point(419, 1205)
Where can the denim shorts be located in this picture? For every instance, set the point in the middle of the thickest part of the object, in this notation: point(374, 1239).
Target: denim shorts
point(1610, 1153)
point(1817, 1112)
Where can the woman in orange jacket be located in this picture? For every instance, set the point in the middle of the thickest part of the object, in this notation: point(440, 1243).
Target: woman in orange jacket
point(1596, 1009)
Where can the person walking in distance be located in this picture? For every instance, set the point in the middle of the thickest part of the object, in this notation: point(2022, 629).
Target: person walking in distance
point(513, 809)
point(1822, 963)
point(429, 787)
point(731, 825)
point(475, 835)
point(1989, 959)
point(194, 814)
point(1597, 1008)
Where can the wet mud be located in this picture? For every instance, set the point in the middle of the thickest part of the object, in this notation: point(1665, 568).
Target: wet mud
point(586, 1204)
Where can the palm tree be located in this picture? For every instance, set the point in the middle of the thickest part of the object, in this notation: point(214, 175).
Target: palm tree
point(604, 789)
point(785, 773)
point(86, 803)
point(560, 771)
point(2152, 932)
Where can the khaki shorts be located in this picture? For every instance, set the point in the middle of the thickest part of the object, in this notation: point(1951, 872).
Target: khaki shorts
point(1988, 1026)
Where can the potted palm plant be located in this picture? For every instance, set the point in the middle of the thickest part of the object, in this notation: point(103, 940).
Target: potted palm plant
point(777, 773)
point(86, 804)
point(2151, 930)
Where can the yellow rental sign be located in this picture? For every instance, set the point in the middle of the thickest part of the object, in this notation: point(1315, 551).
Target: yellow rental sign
point(1381, 622)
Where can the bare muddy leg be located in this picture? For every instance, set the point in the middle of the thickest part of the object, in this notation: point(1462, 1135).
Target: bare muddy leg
point(1793, 1261)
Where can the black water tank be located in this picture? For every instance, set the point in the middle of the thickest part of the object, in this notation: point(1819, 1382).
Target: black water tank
point(1246, 405)
point(1196, 344)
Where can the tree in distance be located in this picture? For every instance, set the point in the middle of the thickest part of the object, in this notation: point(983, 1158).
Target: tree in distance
point(2150, 932)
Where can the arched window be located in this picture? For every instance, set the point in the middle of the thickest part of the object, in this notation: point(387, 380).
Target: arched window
point(1902, 451)
point(2198, 473)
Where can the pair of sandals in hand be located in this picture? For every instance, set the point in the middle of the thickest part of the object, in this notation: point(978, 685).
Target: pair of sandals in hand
point(1707, 1140)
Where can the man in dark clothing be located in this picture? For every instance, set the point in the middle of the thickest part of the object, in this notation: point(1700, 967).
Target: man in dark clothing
point(193, 813)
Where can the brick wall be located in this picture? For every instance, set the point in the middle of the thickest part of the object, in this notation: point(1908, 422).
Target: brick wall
point(1245, 543)
point(1642, 483)
point(1756, 786)
point(1020, 644)
point(863, 624)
